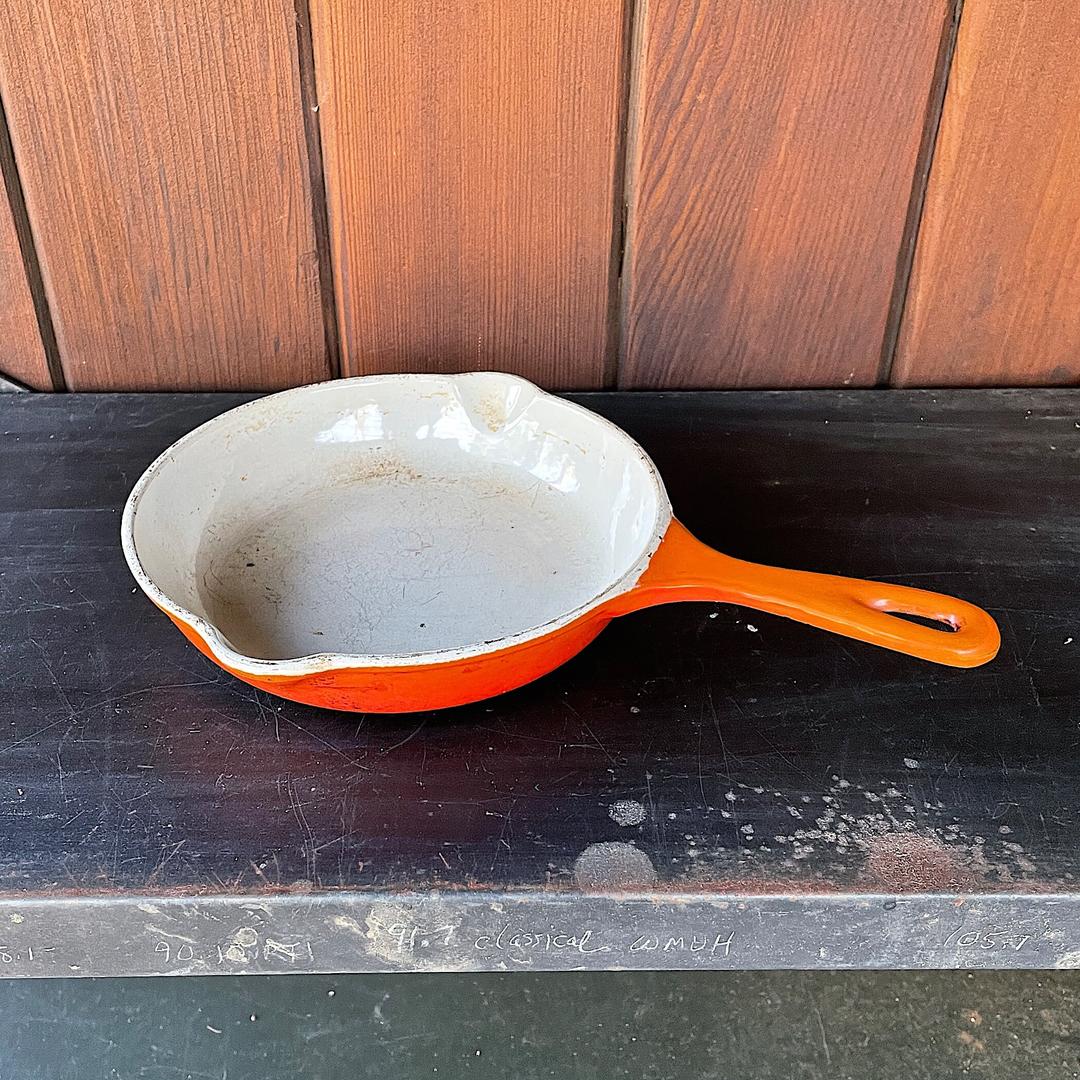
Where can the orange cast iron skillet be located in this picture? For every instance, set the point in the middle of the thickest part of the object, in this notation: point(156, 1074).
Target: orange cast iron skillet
point(383, 465)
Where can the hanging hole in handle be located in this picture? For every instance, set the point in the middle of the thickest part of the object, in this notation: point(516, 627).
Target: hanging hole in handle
point(944, 626)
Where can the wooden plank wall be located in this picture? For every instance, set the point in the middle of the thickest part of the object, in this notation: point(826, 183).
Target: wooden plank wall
point(161, 149)
point(224, 194)
point(995, 295)
point(774, 152)
point(471, 154)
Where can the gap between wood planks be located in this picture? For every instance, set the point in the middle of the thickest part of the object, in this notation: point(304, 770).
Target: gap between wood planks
point(320, 214)
point(9, 170)
point(905, 257)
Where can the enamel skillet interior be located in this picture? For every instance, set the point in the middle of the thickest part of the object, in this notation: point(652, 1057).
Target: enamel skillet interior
point(391, 521)
point(404, 542)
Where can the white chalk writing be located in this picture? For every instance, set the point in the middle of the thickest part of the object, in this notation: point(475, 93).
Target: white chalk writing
point(181, 954)
point(9, 955)
point(711, 944)
point(987, 938)
point(244, 947)
point(410, 938)
point(293, 951)
point(518, 944)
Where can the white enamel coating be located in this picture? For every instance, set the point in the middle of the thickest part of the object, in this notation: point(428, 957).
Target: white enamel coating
point(392, 520)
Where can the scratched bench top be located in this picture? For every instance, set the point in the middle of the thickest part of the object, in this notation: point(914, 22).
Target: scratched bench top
point(703, 787)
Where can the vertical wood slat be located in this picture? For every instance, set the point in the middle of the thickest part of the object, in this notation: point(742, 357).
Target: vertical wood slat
point(769, 179)
point(161, 149)
point(22, 355)
point(995, 290)
point(471, 152)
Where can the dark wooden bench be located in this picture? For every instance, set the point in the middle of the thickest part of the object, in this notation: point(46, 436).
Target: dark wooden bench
point(744, 792)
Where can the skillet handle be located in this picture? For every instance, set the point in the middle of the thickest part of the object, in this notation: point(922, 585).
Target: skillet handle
point(683, 568)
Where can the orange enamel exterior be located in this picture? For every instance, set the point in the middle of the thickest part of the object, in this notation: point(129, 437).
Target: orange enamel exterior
point(681, 569)
point(420, 687)
point(684, 568)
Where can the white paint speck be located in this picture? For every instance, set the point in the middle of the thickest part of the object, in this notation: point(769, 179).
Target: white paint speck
point(752, 628)
point(626, 812)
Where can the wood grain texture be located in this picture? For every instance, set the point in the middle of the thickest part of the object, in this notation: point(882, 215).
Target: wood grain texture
point(995, 292)
point(161, 149)
point(22, 356)
point(471, 152)
point(769, 179)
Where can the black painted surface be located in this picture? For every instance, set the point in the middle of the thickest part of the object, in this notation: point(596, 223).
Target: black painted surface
point(762, 755)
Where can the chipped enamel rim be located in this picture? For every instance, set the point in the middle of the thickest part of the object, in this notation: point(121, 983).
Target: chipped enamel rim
point(315, 663)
